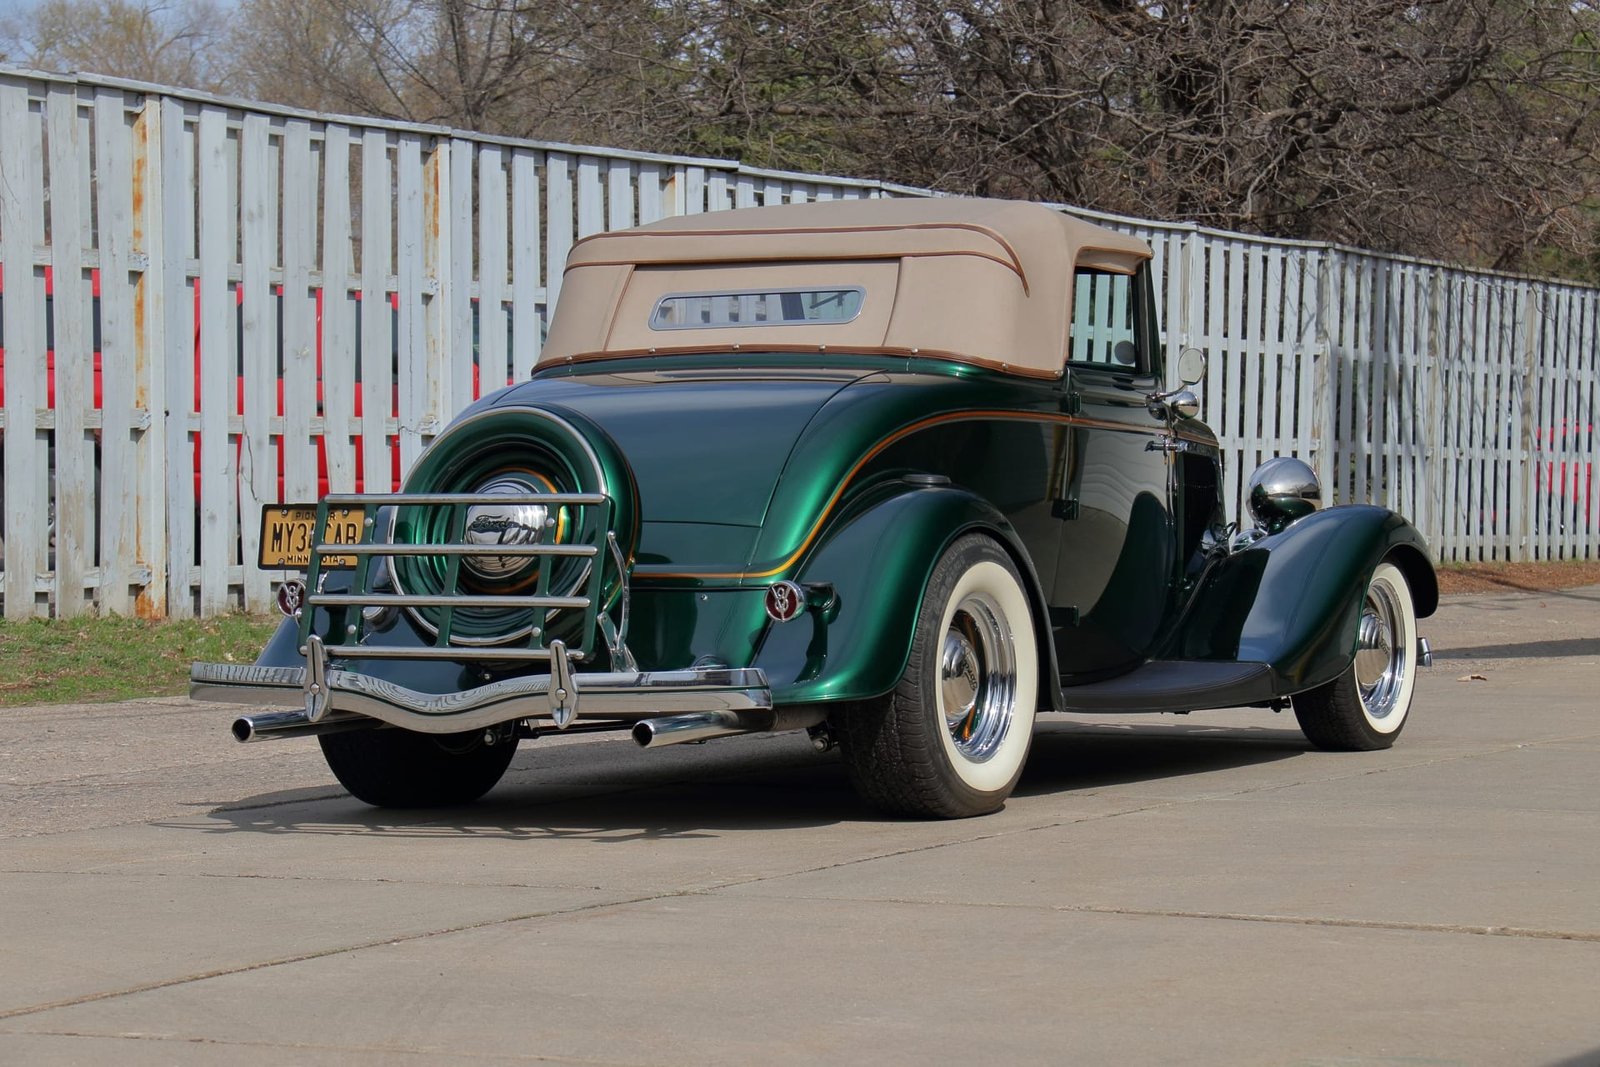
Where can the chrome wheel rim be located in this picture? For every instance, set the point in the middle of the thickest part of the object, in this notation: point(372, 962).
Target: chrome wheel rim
point(977, 678)
point(1382, 652)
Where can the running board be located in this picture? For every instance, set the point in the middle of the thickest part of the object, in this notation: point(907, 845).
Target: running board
point(1175, 685)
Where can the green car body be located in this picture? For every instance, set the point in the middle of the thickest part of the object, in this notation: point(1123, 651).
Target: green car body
point(847, 478)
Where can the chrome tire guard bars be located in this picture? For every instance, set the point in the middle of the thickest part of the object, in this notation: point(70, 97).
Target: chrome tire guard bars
point(664, 707)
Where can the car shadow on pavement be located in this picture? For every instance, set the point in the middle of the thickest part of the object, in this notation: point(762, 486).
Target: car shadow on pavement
point(618, 793)
point(1068, 755)
point(1583, 1059)
point(598, 792)
point(1574, 646)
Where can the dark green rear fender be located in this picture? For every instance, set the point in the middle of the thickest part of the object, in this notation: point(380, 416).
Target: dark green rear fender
point(283, 650)
point(878, 558)
point(1293, 599)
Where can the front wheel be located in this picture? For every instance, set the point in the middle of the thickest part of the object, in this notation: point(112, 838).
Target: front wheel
point(951, 739)
point(1366, 707)
point(403, 769)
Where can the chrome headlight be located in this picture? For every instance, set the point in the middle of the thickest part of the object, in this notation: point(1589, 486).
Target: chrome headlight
point(1282, 490)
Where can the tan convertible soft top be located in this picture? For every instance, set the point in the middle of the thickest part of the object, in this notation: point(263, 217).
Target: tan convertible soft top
point(980, 281)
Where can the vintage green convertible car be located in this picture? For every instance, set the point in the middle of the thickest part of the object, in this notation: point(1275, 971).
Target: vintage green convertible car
point(903, 474)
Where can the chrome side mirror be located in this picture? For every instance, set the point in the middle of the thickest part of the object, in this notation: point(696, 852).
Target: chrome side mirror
point(1191, 366)
point(1181, 403)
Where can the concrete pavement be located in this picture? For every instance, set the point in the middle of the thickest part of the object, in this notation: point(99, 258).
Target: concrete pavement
point(1197, 890)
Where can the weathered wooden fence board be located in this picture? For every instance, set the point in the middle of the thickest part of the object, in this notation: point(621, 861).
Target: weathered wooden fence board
point(527, 294)
point(494, 369)
point(122, 416)
point(258, 339)
point(412, 343)
point(22, 331)
point(249, 305)
point(215, 362)
point(337, 369)
point(377, 317)
point(72, 313)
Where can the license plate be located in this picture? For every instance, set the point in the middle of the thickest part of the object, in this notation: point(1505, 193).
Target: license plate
point(286, 535)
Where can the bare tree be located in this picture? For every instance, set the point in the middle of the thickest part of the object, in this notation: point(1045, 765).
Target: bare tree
point(1371, 121)
point(1455, 128)
point(488, 65)
point(1462, 128)
point(148, 40)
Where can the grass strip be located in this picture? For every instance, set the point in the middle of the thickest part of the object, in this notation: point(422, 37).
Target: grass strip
point(86, 660)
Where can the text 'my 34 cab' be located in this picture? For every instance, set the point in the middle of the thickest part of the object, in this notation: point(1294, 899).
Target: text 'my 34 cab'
point(901, 473)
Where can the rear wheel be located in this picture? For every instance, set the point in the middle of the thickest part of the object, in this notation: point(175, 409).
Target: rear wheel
point(951, 739)
point(403, 769)
point(1366, 707)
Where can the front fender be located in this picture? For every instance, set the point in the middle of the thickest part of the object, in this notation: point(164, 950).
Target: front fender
point(1293, 599)
point(878, 558)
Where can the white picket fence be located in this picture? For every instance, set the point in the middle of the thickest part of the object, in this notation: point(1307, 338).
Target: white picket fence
point(180, 266)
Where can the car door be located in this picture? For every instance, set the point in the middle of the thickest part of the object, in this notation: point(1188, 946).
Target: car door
point(1112, 581)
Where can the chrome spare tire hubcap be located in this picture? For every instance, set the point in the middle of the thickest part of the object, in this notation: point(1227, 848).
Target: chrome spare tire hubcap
point(977, 678)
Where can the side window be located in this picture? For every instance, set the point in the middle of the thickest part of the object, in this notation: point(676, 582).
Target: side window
point(1105, 320)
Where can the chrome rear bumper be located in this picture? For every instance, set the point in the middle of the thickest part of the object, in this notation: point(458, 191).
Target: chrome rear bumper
point(331, 699)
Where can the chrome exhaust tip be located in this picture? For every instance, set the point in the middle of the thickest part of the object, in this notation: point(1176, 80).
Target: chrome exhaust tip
point(695, 726)
point(704, 725)
point(276, 724)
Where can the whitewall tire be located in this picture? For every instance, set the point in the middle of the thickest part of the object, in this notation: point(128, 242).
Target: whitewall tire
point(950, 741)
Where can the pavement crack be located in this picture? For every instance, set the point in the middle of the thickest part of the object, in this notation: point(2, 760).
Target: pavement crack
point(338, 950)
point(933, 847)
point(1352, 924)
point(429, 1054)
point(253, 876)
point(1474, 929)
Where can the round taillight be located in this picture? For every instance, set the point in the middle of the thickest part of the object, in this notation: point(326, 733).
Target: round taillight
point(785, 601)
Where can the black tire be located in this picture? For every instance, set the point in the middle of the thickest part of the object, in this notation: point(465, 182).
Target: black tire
point(403, 769)
point(913, 750)
point(1366, 707)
